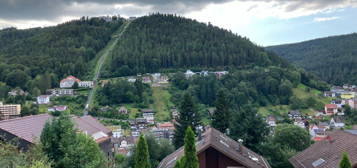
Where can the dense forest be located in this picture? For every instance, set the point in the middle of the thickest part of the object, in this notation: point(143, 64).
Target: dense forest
point(159, 42)
point(333, 59)
point(36, 59)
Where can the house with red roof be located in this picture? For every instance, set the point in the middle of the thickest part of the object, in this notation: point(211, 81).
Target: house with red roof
point(331, 109)
point(68, 82)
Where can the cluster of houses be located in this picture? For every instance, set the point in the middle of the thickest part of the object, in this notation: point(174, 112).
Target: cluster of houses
point(124, 142)
point(66, 89)
point(345, 95)
point(218, 74)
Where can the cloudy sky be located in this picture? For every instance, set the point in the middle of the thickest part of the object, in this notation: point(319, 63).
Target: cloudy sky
point(265, 22)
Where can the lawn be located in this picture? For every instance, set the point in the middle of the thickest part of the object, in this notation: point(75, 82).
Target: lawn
point(162, 103)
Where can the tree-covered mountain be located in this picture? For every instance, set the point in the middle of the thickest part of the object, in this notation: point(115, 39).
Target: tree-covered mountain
point(39, 57)
point(160, 42)
point(333, 59)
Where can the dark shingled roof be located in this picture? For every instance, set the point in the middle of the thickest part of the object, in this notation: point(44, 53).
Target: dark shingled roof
point(29, 128)
point(327, 153)
point(217, 140)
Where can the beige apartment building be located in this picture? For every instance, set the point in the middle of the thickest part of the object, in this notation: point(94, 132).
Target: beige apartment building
point(8, 111)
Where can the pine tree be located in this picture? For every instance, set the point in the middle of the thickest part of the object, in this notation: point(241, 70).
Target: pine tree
point(249, 126)
point(190, 158)
point(221, 117)
point(142, 154)
point(188, 116)
point(345, 162)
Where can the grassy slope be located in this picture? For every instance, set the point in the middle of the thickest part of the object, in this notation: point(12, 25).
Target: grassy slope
point(162, 103)
point(302, 93)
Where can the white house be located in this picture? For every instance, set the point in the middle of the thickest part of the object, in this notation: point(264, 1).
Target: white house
point(86, 84)
point(336, 122)
point(189, 74)
point(43, 99)
point(69, 82)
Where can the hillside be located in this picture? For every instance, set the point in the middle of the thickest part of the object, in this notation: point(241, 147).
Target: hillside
point(162, 42)
point(333, 59)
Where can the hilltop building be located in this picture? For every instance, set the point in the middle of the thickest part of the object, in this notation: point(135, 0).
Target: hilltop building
point(68, 82)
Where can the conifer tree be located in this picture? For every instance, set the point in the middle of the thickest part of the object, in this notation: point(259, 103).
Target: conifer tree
point(142, 154)
point(190, 158)
point(345, 162)
point(188, 116)
point(221, 117)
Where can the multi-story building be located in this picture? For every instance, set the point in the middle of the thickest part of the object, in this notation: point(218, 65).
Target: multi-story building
point(60, 92)
point(8, 111)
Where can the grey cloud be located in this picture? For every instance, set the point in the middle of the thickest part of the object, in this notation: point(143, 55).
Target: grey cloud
point(53, 9)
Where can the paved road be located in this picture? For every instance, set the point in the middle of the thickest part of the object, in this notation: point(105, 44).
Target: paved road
point(105, 53)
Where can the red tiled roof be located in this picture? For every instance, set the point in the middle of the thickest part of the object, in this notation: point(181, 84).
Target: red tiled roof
point(70, 78)
point(329, 150)
point(331, 106)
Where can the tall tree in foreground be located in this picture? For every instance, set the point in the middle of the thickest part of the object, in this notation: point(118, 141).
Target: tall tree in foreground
point(68, 149)
point(188, 117)
point(345, 162)
point(221, 116)
point(248, 126)
point(142, 154)
point(190, 158)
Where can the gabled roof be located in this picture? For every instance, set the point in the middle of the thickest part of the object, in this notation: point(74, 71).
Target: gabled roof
point(230, 148)
point(70, 78)
point(30, 128)
point(328, 152)
point(331, 106)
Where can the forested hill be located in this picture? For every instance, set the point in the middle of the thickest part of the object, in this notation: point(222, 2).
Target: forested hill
point(156, 42)
point(334, 59)
point(49, 53)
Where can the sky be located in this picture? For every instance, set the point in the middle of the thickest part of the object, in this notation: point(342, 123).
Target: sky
point(265, 22)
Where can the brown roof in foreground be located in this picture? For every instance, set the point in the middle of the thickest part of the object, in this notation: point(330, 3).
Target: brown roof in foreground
point(29, 128)
point(230, 148)
point(327, 153)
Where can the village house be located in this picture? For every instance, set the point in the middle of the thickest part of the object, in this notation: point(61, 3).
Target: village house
point(219, 74)
point(68, 82)
point(174, 113)
point(163, 130)
point(348, 95)
point(337, 122)
point(60, 92)
point(131, 79)
point(328, 152)
point(300, 123)
point(146, 79)
point(28, 130)
point(216, 150)
point(17, 92)
point(123, 110)
point(294, 114)
point(189, 74)
point(329, 94)
point(317, 133)
point(149, 115)
point(271, 121)
point(330, 109)
point(86, 84)
point(43, 99)
point(339, 103)
point(57, 108)
point(8, 111)
point(124, 145)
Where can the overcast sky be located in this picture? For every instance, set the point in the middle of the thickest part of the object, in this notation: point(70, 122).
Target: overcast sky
point(265, 22)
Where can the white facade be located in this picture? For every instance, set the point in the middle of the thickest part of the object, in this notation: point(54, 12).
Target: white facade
point(86, 84)
point(43, 99)
point(189, 74)
point(149, 117)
